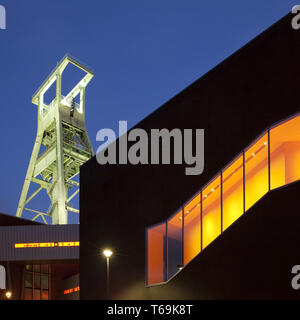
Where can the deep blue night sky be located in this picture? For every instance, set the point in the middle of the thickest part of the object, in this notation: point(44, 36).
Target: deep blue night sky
point(142, 52)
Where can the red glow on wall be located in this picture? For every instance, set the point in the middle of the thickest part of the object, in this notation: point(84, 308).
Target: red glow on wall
point(76, 289)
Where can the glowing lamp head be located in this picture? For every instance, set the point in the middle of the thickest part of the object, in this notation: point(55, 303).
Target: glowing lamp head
point(8, 294)
point(107, 253)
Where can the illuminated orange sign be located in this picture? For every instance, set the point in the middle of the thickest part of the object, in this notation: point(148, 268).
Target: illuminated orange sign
point(72, 290)
point(46, 244)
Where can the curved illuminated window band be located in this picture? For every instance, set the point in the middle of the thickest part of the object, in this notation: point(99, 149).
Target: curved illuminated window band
point(271, 161)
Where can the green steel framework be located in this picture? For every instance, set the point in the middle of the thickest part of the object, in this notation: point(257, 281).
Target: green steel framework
point(61, 146)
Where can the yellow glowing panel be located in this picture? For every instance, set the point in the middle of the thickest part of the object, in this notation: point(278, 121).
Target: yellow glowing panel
point(211, 214)
point(46, 244)
point(233, 195)
point(192, 229)
point(285, 153)
point(256, 171)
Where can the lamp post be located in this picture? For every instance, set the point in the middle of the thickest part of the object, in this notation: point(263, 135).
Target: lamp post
point(107, 253)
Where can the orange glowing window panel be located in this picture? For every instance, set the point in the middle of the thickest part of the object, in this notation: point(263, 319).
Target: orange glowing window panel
point(47, 244)
point(233, 192)
point(285, 153)
point(211, 211)
point(256, 171)
point(156, 238)
point(192, 229)
point(76, 289)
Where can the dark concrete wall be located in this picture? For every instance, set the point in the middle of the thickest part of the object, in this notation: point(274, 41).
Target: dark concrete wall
point(60, 272)
point(234, 102)
point(14, 279)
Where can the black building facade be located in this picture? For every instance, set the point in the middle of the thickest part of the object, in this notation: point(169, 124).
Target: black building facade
point(234, 103)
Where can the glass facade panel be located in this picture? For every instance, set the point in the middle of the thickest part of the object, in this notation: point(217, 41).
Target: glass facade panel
point(233, 192)
point(37, 281)
point(45, 294)
point(28, 267)
point(244, 182)
point(211, 211)
point(28, 279)
point(192, 229)
point(34, 280)
point(37, 294)
point(37, 268)
point(27, 294)
point(45, 268)
point(156, 238)
point(285, 153)
point(174, 233)
point(45, 282)
point(256, 171)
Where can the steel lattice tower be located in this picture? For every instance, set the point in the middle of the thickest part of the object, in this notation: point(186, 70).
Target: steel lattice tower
point(62, 135)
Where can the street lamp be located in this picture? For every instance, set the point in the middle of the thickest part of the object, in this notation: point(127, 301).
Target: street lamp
point(107, 253)
point(8, 294)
